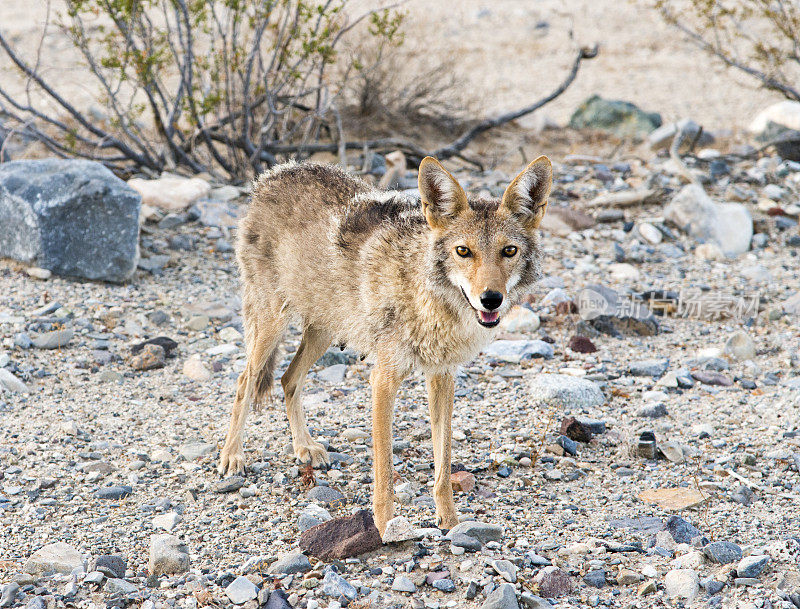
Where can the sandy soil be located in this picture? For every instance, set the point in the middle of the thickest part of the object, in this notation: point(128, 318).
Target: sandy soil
point(511, 52)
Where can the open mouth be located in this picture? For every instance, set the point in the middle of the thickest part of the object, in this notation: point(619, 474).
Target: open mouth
point(488, 319)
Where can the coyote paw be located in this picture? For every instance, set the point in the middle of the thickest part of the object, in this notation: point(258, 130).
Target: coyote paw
point(231, 460)
point(311, 452)
point(446, 521)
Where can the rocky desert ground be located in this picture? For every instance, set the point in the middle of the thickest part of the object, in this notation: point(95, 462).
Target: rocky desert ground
point(632, 439)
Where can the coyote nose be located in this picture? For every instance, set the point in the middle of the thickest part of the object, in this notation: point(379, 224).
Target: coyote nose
point(491, 299)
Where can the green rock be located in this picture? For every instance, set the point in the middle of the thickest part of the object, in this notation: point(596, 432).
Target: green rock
point(618, 117)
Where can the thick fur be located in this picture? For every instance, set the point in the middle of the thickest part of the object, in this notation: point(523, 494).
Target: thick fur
point(379, 272)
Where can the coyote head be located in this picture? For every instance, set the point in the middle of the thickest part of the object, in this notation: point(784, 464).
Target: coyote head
point(485, 252)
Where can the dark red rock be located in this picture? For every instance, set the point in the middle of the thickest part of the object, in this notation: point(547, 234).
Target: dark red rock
point(463, 482)
point(575, 430)
point(581, 344)
point(436, 576)
point(711, 377)
point(566, 307)
point(342, 537)
point(554, 583)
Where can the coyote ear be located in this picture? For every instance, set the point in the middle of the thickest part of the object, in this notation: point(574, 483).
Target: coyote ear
point(526, 196)
point(442, 197)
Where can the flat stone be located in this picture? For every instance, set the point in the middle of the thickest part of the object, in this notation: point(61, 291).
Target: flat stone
point(722, 552)
point(193, 451)
point(342, 537)
point(167, 521)
point(595, 578)
point(505, 568)
point(326, 495)
point(531, 601)
point(228, 485)
point(241, 590)
point(113, 492)
point(649, 367)
point(482, 531)
point(10, 383)
point(503, 597)
point(72, 217)
point(652, 411)
point(116, 585)
point(626, 577)
point(217, 214)
point(681, 531)
point(471, 544)
point(711, 377)
point(615, 314)
point(672, 451)
point(514, 351)
point(293, 562)
point(57, 557)
point(398, 529)
point(335, 585)
point(53, 340)
point(564, 390)
point(751, 566)
point(170, 193)
point(333, 374)
point(402, 583)
point(682, 583)
point(673, 499)
point(277, 599)
point(311, 516)
point(168, 555)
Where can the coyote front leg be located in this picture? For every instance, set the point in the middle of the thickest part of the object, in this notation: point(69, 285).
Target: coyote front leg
point(440, 404)
point(385, 380)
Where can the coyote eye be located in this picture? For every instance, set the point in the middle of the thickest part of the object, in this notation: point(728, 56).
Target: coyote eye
point(509, 251)
point(463, 251)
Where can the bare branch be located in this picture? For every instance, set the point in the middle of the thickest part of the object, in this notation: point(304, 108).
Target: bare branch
point(486, 124)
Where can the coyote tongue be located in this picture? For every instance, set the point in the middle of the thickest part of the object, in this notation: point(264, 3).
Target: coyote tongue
point(488, 318)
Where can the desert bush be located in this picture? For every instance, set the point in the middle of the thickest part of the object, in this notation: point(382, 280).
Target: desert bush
point(384, 95)
point(224, 86)
point(759, 37)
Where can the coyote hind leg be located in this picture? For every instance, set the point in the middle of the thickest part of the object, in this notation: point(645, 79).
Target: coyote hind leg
point(253, 386)
point(312, 346)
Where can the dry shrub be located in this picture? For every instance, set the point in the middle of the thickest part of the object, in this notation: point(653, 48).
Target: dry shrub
point(759, 37)
point(391, 88)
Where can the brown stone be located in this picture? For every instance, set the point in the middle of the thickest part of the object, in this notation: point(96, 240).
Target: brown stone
point(575, 430)
point(711, 377)
point(581, 344)
point(463, 482)
point(673, 499)
point(151, 356)
point(342, 537)
point(553, 582)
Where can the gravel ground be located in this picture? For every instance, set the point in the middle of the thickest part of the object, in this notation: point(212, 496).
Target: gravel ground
point(92, 422)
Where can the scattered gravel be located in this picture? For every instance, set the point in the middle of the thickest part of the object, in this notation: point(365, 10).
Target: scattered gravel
point(115, 399)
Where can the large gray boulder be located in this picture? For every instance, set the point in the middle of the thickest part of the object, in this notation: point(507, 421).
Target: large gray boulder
point(729, 225)
point(73, 217)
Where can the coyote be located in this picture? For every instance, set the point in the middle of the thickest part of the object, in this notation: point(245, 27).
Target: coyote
point(413, 284)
